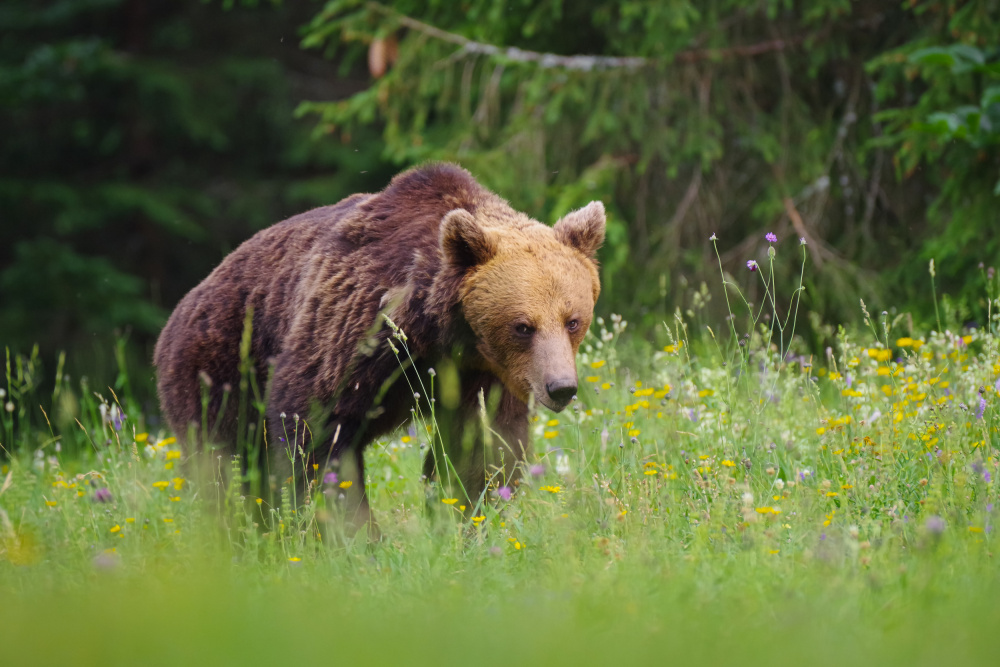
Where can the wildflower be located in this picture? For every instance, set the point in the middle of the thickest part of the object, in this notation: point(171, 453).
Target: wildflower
point(115, 528)
point(478, 519)
point(982, 408)
point(935, 525)
point(161, 485)
point(294, 559)
point(329, 478)
point(728, 463)
point(504, 493)
point(771, 238)
point(106, 560)
point(102, 495)
point(537, 470)
point(346, 484)
point(802, 240)
point(752, 265)
point(449, 501)
point(713, 238)
point(551, 489)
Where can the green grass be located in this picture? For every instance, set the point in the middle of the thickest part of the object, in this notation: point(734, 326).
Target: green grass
point(704, 501)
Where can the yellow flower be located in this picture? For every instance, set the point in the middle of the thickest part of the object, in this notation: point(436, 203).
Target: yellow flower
point(294, 559)
point(551, 489)
point(166, 441)
point(768, 510)
point(648, 391)
point(605, 385)
point(173, 454)
point(774, 551)
point(706, 392)
point(975, 529)
point(728, 463)
point(449, 501)
point(478, 519)
point(115, 528)
point(651, 471)
point(634, 432)
point(51, 503)
point(346, 484)
point(130, 520)
point(832, 494)
point(161, 485)
point(821, 430)
point(174, 499)
point(142, 437)
point(548, 435)
point(178, 482)
point(592, 378)
point(552, 422)
point(405, 439)
point(168, 520)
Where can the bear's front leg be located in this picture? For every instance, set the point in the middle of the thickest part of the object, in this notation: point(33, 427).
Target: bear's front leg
point(470, 454)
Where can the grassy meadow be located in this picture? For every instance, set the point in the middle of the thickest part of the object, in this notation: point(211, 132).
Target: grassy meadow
point(720, 495)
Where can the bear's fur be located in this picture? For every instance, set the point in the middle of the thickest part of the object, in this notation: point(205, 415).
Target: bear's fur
point(495, 301)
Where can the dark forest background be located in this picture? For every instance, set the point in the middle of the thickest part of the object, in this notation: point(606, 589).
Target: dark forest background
point(142, 140)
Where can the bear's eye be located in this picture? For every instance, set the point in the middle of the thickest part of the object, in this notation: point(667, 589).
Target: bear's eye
point(573, 325)
point(523, 329)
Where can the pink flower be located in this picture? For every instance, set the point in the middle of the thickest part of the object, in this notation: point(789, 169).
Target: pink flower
point(504, 492)
point(752, 265)
point(771, 238)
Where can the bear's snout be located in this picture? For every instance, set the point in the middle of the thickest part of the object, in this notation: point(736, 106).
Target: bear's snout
point(561, 391)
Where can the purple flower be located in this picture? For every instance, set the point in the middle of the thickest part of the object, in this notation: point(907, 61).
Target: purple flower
point(330, 478)
point(935, 525)
point(752, 265)
point(102, 495)
point(771, 238)
point(802, 240)
point(504, 492)
point(537, 470)
point(982, 408)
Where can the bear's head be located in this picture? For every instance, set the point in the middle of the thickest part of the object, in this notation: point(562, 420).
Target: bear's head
point(528, 293)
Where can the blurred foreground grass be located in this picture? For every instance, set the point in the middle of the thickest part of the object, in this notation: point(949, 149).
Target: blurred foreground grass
point(702, 502)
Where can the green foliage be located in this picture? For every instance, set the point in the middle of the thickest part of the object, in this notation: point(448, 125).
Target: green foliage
point(141, 143)
point(949, 131)
point(739, 118)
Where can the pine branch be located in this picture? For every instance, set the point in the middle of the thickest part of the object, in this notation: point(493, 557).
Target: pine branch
point(582, 62)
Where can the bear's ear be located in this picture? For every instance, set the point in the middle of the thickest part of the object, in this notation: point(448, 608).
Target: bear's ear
point(464, 242)
point(583, 229)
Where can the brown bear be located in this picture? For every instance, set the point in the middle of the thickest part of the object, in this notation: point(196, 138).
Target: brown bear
point(495, 302)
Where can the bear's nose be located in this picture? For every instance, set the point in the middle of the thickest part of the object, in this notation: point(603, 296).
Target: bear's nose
point(561, 391)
